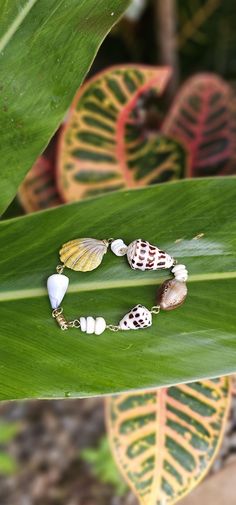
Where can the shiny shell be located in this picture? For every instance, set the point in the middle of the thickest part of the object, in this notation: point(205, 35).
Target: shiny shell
point(144, 256)
point(83, 254)
point(171, 294)
point(138, 317)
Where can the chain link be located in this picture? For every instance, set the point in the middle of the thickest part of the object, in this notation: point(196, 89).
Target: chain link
point(60, 269)
point(155, 309)
point(112, 327)
point(74, 324)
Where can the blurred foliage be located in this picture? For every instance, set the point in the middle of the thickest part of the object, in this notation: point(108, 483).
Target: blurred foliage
point(103, 466)
point(7, 432)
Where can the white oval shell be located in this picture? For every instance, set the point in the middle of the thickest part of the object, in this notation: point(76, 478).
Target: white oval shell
point(83, 254)
point(144, 256)
point(57, 285)
point(118, 247)
point(136, 318)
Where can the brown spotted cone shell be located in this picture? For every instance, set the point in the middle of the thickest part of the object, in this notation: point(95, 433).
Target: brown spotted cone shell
point(136, 318)
point(171, 294)
point(144, 256)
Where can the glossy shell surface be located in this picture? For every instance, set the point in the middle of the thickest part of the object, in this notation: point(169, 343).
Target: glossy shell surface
point(83, 254)
point(171, 294)
point(142, 255)
point(136, 318)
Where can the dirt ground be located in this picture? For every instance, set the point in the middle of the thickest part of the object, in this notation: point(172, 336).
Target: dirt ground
point(47, 449)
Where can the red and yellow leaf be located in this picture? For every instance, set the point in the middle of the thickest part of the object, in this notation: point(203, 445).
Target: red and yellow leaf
point(102, 147)
point(38, 190)
point(164, 440)
point(201, 118)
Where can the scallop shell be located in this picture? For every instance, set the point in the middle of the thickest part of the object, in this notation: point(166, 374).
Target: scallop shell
point(83, 254)
point(144, 256)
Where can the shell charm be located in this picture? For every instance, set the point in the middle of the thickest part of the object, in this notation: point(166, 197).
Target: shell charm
point(138, 317)
point(171, 294)
point(57, 285)
point(144, 256)
point(83, 254)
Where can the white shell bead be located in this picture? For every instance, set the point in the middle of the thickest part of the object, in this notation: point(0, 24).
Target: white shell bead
point(100, 325)
point(57, 285)
point(90, 325)
point(118, 247)
point(83, 324)
point(180, 272)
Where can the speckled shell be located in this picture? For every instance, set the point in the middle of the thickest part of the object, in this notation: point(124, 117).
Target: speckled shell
point(171, 294)
point(83, 254)
point(138, 317)
point(144, 256)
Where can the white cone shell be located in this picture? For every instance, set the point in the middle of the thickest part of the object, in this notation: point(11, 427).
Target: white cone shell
point(118, 247)
point(57, 285)
point(142, 255)
point(90, 325)
point(136, 318)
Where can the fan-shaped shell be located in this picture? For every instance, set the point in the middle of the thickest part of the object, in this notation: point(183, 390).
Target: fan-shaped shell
point(144, 256)
point(83, 254)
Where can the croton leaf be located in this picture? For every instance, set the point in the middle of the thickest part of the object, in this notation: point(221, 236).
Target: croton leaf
point(164, 440)
point(102, 148)
point(202, 119)
point(38, 190)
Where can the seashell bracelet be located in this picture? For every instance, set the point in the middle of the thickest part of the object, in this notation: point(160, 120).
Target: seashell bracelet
point(86, 254)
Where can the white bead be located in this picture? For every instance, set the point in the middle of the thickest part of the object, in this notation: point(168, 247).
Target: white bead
point(100, 325)
point(178, 267)
point(83, 323)
point(57, 285)
point(90, 328)
point(180, 272)
point(118, 247)
point(181, 276)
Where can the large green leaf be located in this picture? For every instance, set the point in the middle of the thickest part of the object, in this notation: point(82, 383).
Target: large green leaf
point(195, 341)
point(46, 48)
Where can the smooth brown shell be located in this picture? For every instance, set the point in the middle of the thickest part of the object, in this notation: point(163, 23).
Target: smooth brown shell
point(171, 294)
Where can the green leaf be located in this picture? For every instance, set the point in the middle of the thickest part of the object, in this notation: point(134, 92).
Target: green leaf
point(46, 48)
point(190, 343)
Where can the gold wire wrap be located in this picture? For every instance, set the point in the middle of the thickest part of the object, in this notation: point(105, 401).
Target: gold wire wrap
point(60, 318)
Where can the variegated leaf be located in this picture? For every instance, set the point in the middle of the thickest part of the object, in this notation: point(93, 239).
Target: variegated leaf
point(38, 190)
point(164, 440)
point(202, 119)
point(102, 147)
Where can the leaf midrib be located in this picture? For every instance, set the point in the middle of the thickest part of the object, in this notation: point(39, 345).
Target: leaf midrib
point(18, 20)
point(78, 287)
